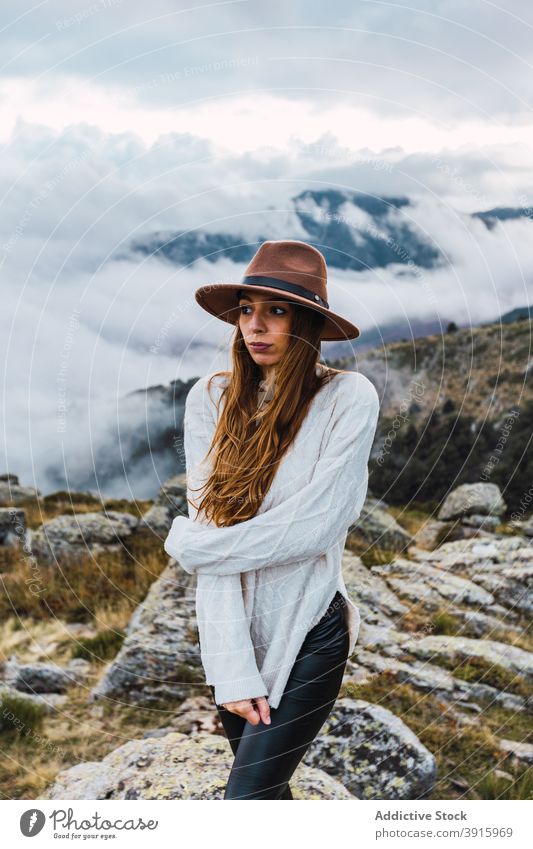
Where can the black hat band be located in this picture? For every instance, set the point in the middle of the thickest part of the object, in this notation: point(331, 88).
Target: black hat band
point(274, 283)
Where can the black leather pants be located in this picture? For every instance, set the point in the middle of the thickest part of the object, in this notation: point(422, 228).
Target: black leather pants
point(267, 755)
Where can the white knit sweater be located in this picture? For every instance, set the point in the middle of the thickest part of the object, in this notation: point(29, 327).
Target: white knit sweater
point(263, 583)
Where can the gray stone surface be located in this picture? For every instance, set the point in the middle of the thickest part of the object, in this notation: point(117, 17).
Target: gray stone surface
point(373, 753)
point(471, 499)
point(160, 658)
point(174, 766)
point(68, 535)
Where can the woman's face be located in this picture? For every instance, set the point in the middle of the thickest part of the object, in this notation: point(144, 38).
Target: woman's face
point(265, 319)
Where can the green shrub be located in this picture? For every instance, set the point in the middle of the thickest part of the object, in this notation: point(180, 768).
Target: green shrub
point(19, 715)
point(481, 671)
point(103, 646)
point(445, 624)
point(493, 786)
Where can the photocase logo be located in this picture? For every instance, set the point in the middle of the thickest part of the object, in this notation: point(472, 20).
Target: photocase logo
point(64, 823)
point(32, 822)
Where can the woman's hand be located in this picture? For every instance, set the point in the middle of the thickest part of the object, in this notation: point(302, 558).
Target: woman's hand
point(254, 710)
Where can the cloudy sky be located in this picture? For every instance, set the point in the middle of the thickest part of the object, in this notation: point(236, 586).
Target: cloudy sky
point(120, 119)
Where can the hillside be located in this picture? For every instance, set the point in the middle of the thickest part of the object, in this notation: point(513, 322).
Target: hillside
point(484, 371)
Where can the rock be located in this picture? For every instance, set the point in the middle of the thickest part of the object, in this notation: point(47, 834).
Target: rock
point(470, 499)
point(6, 477)
point(196, 715)
point(475, 623)
point(512, 658)
point(11, 492)
point(356, 673)
point(371, 593)
point(174, 766)
point(158, 732)
point(12, 526)
point(511, 585)
point(79, 669)
point(376, 525)
point(470, 706)
point(489, 523)
point(79, 630)
point(527, 526)
point(501, 773)
point(74, 535)
point(50, 701)
point(458, 531)
point(158, 519)
point(159, 659)
point(459, 556)
point(422, 581)
point(173, 495)
point(426, 538)
point(395, 643)
point(386, 640)
point(438, 681)
point(39, 677)
point(503, 568)
point(522, 752)
point(372, 752)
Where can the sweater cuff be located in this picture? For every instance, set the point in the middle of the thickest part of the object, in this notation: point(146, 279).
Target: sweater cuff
point(251, 687)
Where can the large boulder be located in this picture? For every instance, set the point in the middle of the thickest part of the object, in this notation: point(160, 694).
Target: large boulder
point(160, 658)
point(372, 752)
point(174, 766)
point(11, 492)
point(470, 499)
point(376, 526)
point(68, 535)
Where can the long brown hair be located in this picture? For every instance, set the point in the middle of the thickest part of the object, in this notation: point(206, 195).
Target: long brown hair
point(249, 443)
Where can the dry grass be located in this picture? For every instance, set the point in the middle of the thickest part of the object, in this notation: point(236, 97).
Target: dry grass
point(39, 510)
point(52, 612)
point(103, 587)
point(466, 755)
point(76, 733)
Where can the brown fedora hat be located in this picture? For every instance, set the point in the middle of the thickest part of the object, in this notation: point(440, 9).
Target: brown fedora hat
point(287, 266)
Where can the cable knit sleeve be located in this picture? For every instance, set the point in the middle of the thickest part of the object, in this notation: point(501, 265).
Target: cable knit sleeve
point(307, 523)
point(227, 651)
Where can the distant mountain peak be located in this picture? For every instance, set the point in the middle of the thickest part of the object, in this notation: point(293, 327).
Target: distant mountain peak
point(354, 230)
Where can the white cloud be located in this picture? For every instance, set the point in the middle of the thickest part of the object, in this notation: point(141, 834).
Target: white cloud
point(120, 120)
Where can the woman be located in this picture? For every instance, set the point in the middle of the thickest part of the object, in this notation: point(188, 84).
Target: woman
point(278, 449)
